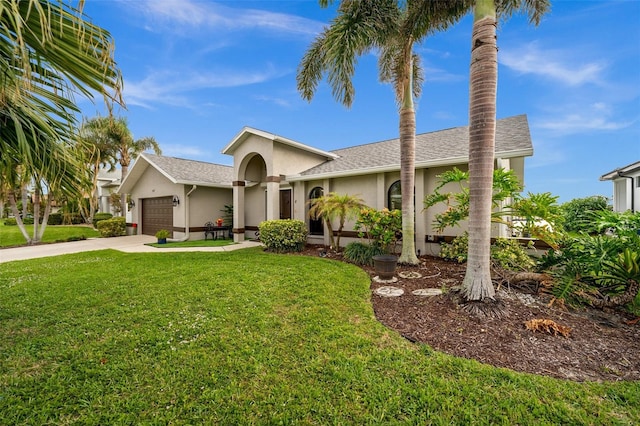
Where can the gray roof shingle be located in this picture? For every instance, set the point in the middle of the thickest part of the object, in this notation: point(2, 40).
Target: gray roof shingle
point(192, 172)
point(512, 136)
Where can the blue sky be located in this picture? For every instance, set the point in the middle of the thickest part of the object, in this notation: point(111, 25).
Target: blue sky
point(196, 72)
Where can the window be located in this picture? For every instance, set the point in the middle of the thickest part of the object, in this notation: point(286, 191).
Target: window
point(394, 196)
point(315, 225)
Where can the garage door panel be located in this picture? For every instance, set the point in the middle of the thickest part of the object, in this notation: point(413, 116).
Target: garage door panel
point(157, 213)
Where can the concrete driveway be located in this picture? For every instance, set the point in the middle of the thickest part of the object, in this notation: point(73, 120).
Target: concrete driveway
point(128, 244)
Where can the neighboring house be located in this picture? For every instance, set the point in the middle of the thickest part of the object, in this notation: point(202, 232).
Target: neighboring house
point(108, 183)
point(626, 187)
point(276, 178)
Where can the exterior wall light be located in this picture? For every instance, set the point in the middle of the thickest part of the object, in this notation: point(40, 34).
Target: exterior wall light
point(176, 201)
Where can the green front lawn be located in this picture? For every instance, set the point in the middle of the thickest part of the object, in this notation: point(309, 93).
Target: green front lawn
point(11, 236)
point(245, 337)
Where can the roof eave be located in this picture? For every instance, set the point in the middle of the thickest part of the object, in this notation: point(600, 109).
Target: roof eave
point(451, 161)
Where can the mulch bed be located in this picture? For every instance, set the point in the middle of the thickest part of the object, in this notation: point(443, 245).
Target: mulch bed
point(601, 345)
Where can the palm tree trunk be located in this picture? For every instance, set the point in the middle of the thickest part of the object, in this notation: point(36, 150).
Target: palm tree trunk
point(123, 196)
point(483, 78)
point(407, 166)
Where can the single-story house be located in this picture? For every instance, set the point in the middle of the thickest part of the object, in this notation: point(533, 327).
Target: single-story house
point(274, 177)
point(626, 187)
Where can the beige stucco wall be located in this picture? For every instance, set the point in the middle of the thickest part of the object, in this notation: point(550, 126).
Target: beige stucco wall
point(205, 205)
point(152, 184)
point(288, 160)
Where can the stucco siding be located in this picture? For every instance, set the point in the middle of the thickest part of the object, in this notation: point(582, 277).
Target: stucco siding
point(151, 184)
point(288, 160)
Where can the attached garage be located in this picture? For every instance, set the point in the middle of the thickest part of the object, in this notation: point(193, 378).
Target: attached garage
point(157, 213)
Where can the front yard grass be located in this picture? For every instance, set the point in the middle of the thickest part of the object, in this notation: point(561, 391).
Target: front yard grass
point(245, 337)
point(194, 243)
point(11, 236)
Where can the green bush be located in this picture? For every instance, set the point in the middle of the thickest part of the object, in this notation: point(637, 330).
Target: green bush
point(361, 253)
point(382, 228)
point(285, 235)
point(114, 227)
point(54, 219)
point(457, 249)
point(506, 252)
point(578, 213)
point(98, 217)
point(510, 254)
point(72, 218)
point(11, 221)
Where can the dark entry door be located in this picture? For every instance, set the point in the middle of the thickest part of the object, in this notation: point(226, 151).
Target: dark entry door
point(285, 204)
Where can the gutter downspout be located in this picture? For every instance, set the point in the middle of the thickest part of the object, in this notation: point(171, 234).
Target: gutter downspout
point(633, 190)
point(186, 219)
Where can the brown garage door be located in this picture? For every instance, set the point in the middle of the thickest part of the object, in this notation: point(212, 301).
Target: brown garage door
point(157, 213)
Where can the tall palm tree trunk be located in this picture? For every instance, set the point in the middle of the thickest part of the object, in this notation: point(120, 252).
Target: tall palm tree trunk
point(483, 79)
point(408, 164)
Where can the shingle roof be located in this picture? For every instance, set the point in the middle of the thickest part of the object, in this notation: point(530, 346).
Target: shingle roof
point(183, 171)
point(435, 148)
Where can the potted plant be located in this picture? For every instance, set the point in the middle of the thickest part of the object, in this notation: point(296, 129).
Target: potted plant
point(162, 236)
point(382, 229)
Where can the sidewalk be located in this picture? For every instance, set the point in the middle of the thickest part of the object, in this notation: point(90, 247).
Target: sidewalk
point(128, 244)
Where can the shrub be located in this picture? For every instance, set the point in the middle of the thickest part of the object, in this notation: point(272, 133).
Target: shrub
point(361, 253)
point(72, 218)
point(11, 221)
point(162, 234)
point(578, 213)
point(382, 228)
point(285, 235)
point(54, 219)
point(98, 217)
point(506, 252)
point(457, 249)
point(114, 227)
point(510, 254)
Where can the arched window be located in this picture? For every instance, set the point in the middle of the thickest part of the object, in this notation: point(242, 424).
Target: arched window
point(394, 196)
point(315, 225)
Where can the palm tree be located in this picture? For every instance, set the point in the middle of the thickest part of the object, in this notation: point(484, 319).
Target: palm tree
point(48, 53)
point(393, 28)
point(112, 134)
point(335, 206)
point(483, 78)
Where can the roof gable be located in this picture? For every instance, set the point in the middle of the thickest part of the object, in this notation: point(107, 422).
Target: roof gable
point(248, 131)
point(180, 171)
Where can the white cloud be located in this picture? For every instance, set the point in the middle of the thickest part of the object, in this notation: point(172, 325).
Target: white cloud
point(581, 119)
point(553, 64)
point(171, 87)
point(182, 15)
point(273, 100)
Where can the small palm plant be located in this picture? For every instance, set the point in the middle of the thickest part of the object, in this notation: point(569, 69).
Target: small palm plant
point(335, 206)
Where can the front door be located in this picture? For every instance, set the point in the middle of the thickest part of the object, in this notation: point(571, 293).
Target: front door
point(285, 204)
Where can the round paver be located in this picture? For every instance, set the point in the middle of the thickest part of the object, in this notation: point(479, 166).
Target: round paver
point(409, 274)
point(381, 281)
point(389, 291)
point(427, 292)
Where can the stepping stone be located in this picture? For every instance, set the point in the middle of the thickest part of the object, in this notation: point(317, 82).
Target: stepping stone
point(427, 292)
point(381, 281)
point(410, 274)
point(389, 291)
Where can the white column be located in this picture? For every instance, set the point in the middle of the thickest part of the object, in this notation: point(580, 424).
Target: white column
point(420, 217)
point(238, 211)
point(273, 197)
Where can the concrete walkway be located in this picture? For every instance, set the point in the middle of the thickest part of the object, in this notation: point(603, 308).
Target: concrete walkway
point(128, 244)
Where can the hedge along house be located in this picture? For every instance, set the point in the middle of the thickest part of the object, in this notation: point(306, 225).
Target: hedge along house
point(176, 194)
point(626, 187)
point(277, 178)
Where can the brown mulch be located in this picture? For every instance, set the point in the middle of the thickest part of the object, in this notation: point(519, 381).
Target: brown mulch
point(602, 345)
